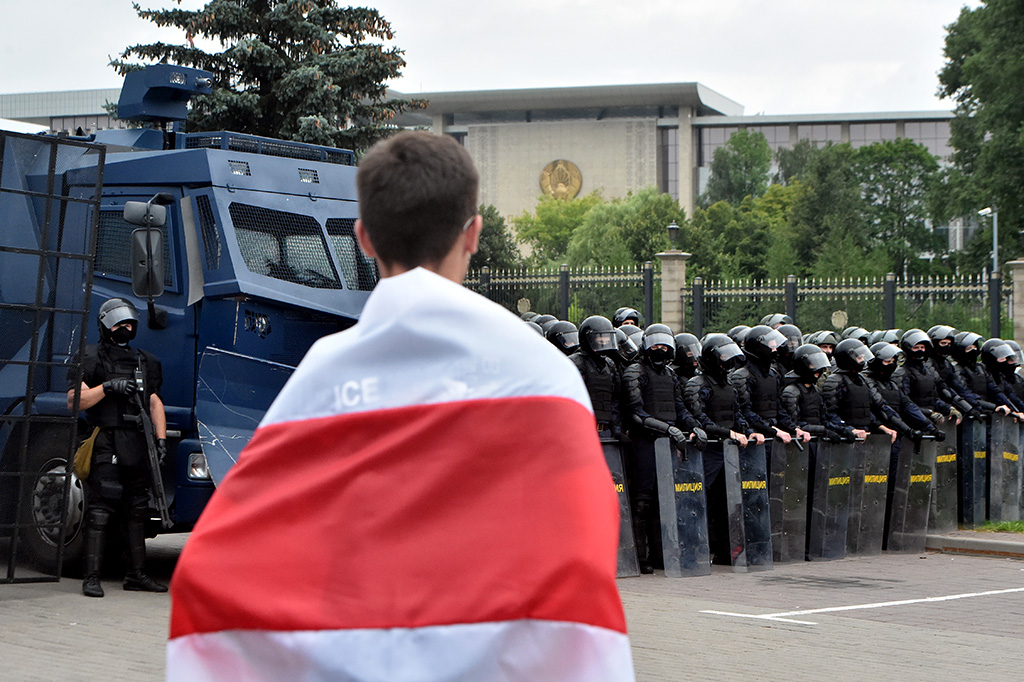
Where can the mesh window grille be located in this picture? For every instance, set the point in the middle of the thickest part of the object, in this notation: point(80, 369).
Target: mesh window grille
point(114, 245)
point(359, 270)
point(208, 230)
point(285, 246)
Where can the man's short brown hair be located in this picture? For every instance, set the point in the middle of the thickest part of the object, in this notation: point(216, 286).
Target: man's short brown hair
point(416, 192)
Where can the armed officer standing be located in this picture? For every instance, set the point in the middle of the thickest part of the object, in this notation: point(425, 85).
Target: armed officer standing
point(119, 479)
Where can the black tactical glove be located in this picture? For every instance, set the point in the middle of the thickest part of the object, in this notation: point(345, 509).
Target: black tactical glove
point(700, 438)
point(832, 436)
point(161, 450)
point(936, 417)
point(121, 387)
point(849, 436)
point(677, 436)
point(916, 435)
point(939, 435)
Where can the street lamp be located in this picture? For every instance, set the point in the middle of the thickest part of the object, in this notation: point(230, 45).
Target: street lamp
point(673, 234)
point(989, 211)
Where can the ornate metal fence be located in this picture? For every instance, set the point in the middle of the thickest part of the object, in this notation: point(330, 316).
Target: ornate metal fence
point(571, 293)
point(977, 303)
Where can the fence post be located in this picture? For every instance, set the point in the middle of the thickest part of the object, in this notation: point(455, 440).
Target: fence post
point(698, 307)
point(485, 281)
point(563, 291)
point(673, 283)
point(791, 296)
point(1017, 311)
point(649, 292)
point(995, 301)
point(889, 293)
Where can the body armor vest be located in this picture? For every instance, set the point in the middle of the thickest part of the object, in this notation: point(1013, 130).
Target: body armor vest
point(599, 382)
point(764, 394)
point(720, 406)
point(659, 393)
point(889, 391)
point(115, 363)
point(855, 408)
point(810, 405)
point(923, 389)
point(977, 380)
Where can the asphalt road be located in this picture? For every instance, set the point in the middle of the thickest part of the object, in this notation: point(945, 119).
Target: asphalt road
point(907, 617)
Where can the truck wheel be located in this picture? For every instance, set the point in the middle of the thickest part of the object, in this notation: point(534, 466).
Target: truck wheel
point(47, 455)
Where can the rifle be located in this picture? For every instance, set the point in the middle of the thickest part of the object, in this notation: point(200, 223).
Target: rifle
point(154, 459)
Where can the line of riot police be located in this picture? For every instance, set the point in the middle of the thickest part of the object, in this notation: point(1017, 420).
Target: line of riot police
point(765, 444)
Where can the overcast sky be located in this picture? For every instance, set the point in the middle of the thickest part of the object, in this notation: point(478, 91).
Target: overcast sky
point(773, 57)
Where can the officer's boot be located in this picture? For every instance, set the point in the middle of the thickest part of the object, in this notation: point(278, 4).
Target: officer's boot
point(136, 580)
point(641, 508)
point(95, 534)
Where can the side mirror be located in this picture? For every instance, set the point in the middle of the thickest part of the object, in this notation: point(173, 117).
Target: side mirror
point(152, 213)
point(147, 261)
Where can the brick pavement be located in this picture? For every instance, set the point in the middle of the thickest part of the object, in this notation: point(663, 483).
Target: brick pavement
point(49, 631)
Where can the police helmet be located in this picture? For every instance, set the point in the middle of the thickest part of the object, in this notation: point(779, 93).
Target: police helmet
point(852, 356)
point(884, 351)
point(535, 327)
point(967, 347)
point(627, 350)
point(994, 354)
point(530, 316)
point(913, 337)
point(687, 354)
point(597, 335)
point(763, 343)
point(738, 333)
point(794, 339)
point(827, 338)
point(624, 315)
point(658, 343)
point(544, 319)
point(809, 362)
point(719, 354)
point(635, 334)
point(115, 311)
point(859, 333)
point(564, 336)
point(773, 320)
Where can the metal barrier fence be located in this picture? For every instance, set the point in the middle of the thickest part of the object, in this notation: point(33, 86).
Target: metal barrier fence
point(571, 293)
point(975, 303)
point(47, 241)
point(978, 303)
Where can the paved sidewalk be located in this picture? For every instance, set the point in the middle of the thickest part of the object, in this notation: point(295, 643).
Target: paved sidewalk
point(932, 616)
point(979, 543)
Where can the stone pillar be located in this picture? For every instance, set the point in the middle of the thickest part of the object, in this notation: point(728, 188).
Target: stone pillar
point(687, 161)
point(673, 281)
point(1016, 270)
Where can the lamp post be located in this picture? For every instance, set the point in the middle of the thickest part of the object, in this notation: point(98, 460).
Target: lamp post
point(673, 235)
point(989, 211)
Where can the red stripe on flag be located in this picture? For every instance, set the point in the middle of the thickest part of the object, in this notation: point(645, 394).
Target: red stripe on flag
point(408, 517)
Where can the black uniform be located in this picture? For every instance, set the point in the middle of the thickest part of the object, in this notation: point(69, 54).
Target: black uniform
point(601, 378)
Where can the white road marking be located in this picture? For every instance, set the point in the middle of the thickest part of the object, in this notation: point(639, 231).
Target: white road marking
point(784, 616)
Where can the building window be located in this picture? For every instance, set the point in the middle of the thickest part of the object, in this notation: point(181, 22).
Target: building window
point(931, 134)
point(668, 162)
point(820, 134)
point(868, 133)
point(710, 140)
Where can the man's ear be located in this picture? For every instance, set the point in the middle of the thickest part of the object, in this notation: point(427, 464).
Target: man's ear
point(364, 240)
point(471, 236)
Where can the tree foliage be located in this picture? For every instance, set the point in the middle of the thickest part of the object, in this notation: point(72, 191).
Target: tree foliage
point(497, 249)
point(984, 75)
point(739, 168)
point(549, 230)
point(304, 70)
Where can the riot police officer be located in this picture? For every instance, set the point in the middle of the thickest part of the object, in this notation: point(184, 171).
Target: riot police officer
point(115, 377)
point(854, 399)
point(921, 382)
point(758, 385)
point(593, 360)
point(564, 335)
point(687, 357)
point(656, 410)
point(626, 315)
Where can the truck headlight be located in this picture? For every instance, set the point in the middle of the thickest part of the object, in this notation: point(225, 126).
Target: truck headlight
point(197, 469)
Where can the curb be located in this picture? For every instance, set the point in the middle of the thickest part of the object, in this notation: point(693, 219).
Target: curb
point(974, 546)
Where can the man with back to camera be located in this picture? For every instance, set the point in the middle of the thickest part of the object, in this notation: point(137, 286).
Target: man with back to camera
point(457, 521)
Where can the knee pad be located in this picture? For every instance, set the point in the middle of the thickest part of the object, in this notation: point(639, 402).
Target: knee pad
point(97, 518)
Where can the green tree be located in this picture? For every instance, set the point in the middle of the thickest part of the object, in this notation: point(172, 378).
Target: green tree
point(305, 70)
point(549, 230)
point(983, 74)
point(739, 168)
point(793, 161)
point(497, 248)
point(897, 179)
point(599, 241)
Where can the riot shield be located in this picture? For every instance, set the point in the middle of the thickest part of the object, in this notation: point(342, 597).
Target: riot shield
point(869, 477)
point(943, 514)
point(787, 505)
point(911, 499)
point(683, 510)
point(830, 501)
point(746, 495)
point(1003, 469)
point(628, 566)
point(971, 499)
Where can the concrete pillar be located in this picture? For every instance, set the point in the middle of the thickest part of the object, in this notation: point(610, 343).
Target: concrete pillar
point(673, 281)
point(1016, 269)
point(687, 161)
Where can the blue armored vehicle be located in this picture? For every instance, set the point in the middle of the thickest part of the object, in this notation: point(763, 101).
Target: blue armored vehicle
point(240, 253)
